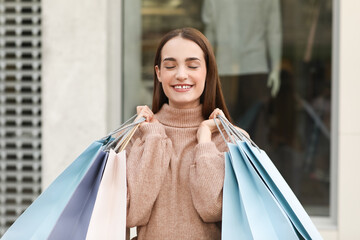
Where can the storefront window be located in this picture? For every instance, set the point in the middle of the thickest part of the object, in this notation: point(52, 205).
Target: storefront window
point(274, 60)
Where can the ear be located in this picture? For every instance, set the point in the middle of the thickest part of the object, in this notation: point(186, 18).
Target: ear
point(157, 70)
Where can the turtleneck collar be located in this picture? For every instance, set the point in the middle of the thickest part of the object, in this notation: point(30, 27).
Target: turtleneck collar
point(174, 117)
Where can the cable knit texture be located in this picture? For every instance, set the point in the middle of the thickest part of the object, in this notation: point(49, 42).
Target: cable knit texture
point(174, 183)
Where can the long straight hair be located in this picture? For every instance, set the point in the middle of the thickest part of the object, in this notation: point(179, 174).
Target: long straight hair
point(212, 96)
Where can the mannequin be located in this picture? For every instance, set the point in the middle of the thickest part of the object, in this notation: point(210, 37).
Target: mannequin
point(246, 36)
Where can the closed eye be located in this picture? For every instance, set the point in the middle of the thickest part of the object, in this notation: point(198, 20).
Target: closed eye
point(169, 67)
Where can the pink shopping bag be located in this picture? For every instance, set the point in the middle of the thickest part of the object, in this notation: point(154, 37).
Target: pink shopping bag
point(108, 220)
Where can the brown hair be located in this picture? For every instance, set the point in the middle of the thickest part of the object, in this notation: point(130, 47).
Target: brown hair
point(212, 96)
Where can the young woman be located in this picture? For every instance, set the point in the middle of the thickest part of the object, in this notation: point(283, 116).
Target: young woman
point(175, 162)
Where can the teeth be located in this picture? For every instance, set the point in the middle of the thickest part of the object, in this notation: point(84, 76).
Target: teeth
point(183, 87)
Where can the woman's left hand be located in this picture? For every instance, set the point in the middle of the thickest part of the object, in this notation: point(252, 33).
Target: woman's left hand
point(207, 127)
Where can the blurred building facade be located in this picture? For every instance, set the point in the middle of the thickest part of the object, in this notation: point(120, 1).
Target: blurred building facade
point(95, 66)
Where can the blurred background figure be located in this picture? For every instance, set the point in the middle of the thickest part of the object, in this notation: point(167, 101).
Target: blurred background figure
point(246, 36)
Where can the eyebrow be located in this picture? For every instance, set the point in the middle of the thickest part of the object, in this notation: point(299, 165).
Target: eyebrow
point(186, 60)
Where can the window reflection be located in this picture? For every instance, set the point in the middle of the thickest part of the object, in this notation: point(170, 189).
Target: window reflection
point(274, 59)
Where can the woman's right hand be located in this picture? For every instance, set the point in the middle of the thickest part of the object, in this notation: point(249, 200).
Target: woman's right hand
point(145, 111)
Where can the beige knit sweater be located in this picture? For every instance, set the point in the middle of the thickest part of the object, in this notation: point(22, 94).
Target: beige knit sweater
point(174, 183)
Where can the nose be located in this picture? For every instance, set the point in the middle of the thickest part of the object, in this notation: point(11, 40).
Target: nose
point(181, 74)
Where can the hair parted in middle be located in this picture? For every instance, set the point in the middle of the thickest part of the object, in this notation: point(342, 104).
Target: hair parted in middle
point(212, 96)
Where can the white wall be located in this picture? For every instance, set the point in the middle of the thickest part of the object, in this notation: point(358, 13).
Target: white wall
point(349, 121)
point(348, 154)
point(77, 78)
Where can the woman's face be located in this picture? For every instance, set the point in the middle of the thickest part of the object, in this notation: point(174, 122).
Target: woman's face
point(182, 72)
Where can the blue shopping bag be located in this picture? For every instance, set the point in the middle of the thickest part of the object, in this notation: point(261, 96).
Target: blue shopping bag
point(39, 218)
point(261, 215)
point(281, 190)
point(64, 209)
point(248, 159)
point(75, 218)
point(234, 223)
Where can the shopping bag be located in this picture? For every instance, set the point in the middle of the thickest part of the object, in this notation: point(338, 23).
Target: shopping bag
point(281, 190)
point(109, 217)
point(234, 223)
point(253, 161)
point(51, 215)
point(264, 217)
point(40, 217)
point(74, 220)
point(108, 220)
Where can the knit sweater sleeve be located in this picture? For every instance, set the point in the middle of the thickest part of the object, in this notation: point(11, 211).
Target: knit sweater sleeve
point(147, 163)
point(206, 181)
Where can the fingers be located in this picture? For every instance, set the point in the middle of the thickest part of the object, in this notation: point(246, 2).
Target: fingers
point(216, 112)
point(144, 111)
point(214, 126)
point(243, 131)
point(210, 125)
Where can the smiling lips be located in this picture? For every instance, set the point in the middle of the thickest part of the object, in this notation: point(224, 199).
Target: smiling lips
point(182, 87)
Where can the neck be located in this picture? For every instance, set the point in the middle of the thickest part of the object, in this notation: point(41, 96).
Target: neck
point(175, 117)
point(184, 106)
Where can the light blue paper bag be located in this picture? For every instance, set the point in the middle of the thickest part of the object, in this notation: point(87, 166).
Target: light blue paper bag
point(261, 216)
point(39, 218)
point(269, 205)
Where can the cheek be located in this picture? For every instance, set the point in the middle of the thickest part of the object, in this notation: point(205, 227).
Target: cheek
point(165, 77)
point(201, 78)
point(202, 88)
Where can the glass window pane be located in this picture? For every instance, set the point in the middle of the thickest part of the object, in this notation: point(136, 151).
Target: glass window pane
point(274, 60)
